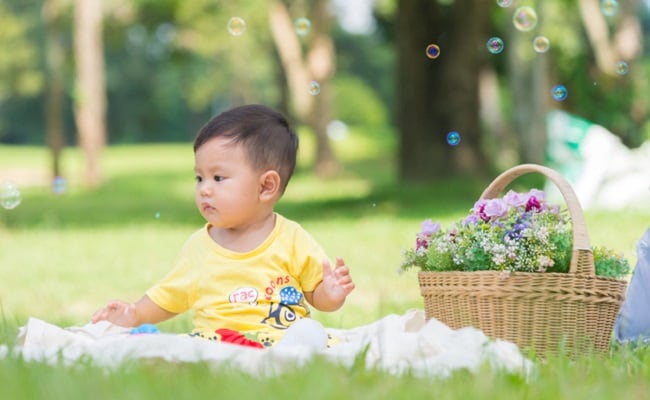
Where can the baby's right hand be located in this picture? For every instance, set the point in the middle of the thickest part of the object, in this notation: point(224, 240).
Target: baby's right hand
point(118, 312)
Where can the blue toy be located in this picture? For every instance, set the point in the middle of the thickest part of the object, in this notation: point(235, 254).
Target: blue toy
point(144, 329)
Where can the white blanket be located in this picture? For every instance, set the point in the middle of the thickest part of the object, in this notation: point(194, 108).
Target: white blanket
point(395, 344)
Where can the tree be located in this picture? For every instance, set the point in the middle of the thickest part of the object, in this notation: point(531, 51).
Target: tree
point(528, 77)
point(437, 96)
point(242, 66)
point(55, 96)
point(20, 75)
point(90, 88)
point(313, 63)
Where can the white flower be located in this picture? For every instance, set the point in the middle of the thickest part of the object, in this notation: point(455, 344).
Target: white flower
point(545, 261)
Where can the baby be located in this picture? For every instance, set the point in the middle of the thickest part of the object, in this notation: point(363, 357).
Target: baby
point(249, 273)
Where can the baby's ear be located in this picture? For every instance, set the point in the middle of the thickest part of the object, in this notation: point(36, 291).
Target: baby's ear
point(270, 184)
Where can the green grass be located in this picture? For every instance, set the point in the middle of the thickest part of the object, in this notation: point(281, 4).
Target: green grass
point(64, 256)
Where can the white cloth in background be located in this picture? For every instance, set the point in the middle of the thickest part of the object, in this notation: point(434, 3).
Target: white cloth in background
point(396, 344)
point(603, 171)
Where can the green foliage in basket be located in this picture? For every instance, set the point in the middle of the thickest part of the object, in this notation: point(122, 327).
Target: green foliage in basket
point(518, 232)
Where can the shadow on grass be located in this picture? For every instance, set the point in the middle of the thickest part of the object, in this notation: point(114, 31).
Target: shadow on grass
point(167, 198)
point(124, 200)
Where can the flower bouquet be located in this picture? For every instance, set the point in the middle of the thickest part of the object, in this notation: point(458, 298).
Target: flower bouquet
point(518, 232)
point(521, 269)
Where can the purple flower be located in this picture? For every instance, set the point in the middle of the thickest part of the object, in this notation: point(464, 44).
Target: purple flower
point(495, 208)
point(479, 209)
point(478, 206)
point(538, 194)
point(533, 204)
point(429, 227)
point(471, 219)
point(515, 199)
point(421, 242)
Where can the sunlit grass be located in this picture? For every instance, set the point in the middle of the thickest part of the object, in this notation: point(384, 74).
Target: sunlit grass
point(63, 256)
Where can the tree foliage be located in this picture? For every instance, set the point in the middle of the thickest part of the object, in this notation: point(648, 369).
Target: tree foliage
point(170, 64)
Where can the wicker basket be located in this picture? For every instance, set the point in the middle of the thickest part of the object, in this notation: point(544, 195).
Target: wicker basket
point(569, 313)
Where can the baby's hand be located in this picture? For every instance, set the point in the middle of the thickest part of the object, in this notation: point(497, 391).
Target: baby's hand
point(337, 282)
point(117, 312)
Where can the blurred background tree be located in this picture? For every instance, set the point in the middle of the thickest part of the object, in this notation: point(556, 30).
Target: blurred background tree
point(439, 95)
point(171, 64)
point(90, 85)
point(55, 82)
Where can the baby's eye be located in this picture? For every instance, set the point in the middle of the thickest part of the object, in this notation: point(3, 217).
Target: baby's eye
point(198, 179)
point(218, 178)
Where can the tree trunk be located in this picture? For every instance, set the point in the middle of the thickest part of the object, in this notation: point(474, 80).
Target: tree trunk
point(626, 43)
point(528, 74)
point(90, 99)
point(315, 63)
point(55, 96)
point(437, 96)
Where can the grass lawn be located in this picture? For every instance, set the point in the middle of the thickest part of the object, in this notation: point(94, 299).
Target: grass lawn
point(63, 256)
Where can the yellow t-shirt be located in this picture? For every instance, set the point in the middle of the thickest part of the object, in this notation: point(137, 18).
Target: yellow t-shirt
point(260, 291)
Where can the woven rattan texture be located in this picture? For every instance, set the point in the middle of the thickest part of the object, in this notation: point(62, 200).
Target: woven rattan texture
point(570, 313)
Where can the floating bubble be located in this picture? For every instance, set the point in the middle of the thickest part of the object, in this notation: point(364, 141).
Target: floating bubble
point(314, 88)
point(9, 195)
point(622, 68)
point(524, 19)
point(433, 51)
point(302, 26)
point(58, 185)
point(541, 44)
point(337, 130)
point(504, 3)
point(559, 92)
point(236, 26)
point(453, 138)
point(495, 45)
point(609, 7)
point(157, 215)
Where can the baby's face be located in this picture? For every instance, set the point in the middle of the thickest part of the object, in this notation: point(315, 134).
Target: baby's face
point(227, 187)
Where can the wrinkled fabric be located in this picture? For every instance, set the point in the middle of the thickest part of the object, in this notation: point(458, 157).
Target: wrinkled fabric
point(633, 321)
point(396, 344)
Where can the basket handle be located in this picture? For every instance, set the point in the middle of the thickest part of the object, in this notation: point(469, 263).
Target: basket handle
point(582, 259)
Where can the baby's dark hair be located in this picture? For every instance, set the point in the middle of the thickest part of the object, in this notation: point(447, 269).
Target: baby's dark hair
point(268, 139)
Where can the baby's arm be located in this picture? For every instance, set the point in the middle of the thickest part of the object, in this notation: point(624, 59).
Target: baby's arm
point(132, 314)
point(331, 292)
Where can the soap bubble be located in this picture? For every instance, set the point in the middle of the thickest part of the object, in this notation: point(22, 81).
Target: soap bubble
point(541, 44)
point(58, 185)
point(504, 3)
point(609, 7)
point(453, 138)
point(236, 26)
point(314, 88)
point(157, 215)
point(9, 195)
point(337, 130)
point(495, 45)
point(559, 92)
point(524, 19)
point(433, 51)
point(302, 26)
point(622, 68)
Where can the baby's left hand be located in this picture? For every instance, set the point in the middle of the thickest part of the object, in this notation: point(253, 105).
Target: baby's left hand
point(337, 282)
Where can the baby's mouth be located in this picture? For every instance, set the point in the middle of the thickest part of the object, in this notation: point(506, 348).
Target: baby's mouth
point(206, 207)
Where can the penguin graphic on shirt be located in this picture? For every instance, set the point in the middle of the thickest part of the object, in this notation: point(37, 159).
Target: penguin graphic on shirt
point(283, 314)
